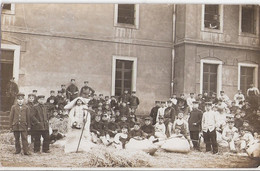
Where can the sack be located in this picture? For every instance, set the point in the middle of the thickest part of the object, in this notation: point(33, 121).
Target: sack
point(254, 150)
point(143, 145)
point(179, 145)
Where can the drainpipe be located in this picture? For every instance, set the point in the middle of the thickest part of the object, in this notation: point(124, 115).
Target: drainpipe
point(173, 51)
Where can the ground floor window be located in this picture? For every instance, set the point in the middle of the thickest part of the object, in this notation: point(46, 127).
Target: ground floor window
point(210, 76)
point(124, 71)
point(247, 74)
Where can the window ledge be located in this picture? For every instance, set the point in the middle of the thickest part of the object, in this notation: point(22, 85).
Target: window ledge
point(8, 12)
point(249, 35)
point(126, 25)
point(212, 30)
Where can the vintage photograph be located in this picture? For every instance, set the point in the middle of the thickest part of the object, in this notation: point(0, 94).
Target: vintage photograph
point(129, 86)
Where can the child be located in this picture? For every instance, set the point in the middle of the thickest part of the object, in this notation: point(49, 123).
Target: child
point(160, 129)
point(20, 124)
point(136, 133)
point(113, 103)
point(174, 99)
point(61, 101)
point(148, 129)
point(105, 138)
point(96, 129)
point(55, 136)
point(190, 101)
point(161, 110)
point(230, 136)
point(131, 121)
point(239, 97)
point(238, 121)
point(72, 90)
point(124, 122)
point(117, 115)
point(221, 119)
point(63, 91)
point(177, 133)
point(113, 127)
point(247, 126)
point(246, 138)
point(124, 109)
point(154, 112)
point(121, 138)
point(134, 101)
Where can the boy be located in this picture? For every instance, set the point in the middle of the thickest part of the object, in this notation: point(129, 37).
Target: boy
point(182, 104)
point(190, 101)
point(209, 125)
point(61, 101)
point(96, 129)
point(195, 124)
point(86, 91)
point(40, 126)
point(125, 97)
point(148, 129)
point(72, 90)
point(213, 98)
point(113, 127)
point(160, 129)
point(224, 97)
point(124, 122)
point(106, 137)
point(161, 110)
point(101, 99)
point(174, 99)
point(34, 92)
point(136, 133)
point(113, 103)
point(238, 121)
point(239, 97)
point(230, 135)
point(131, 122)
point(124, 109)
point(233, 107)
point(154, 112)
point(134, 101)
point(63, 91)
point(51, 102)
point(118, 116)
point(30, 104)
point(20, 124)
point(169, 117)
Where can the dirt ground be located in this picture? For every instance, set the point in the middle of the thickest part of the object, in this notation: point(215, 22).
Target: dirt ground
point(109, 157)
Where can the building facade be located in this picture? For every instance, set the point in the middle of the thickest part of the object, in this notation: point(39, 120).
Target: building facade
point(154, 49)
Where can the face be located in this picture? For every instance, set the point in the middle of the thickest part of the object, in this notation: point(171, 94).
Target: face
point(123, 119)
point(195, 105)
point(117, 113)
point(107, 98)
point(147, 122)
point(163, 104)
point(125, 91)
point(245, 124)
point(208, 107)
point(200, 96)
point(63, 87)
point(31, 99)
point(180, 115)
point(133, 119)
point(238, 116)
point(124, 104)
point(86, 84)
point(158, 104)
point(205, 94)
point(161, 121)
point(112, 119)
point(243, 114)
point(182, 96)
point(79, 102)
point(136, 127)
point(192, 95)
point(242, 132)
point(174, 96)
point(41, 100)
point(97, 118)
point(107, 107)
point(124, 130)
point(170, 104)
point(231, 124)
point(73, 81)
point(52, 93)
point(104, 118)
point(20, 101)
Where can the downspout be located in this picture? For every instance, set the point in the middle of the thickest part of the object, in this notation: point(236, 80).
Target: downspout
point(173, 50)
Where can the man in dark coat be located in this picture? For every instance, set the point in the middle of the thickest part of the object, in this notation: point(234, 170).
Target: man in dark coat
point(134, 101)
point(20, 124)
point(86, 91)
point(40, 126)
point(72, 91)
point(195, 124)
point(11, 92)
point(169, 117)
point(125, 97)
point(30, 104)
point(154, 112)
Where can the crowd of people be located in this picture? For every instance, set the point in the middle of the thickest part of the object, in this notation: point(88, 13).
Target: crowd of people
point(113, 120)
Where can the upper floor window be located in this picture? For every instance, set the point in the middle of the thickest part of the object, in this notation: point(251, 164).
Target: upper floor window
point(8, 8)
point(127, 15)
point(249, 17)
point(212, 18)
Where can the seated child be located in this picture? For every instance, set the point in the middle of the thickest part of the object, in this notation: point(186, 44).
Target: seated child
point(238, 121)
point(124, 122)
point(136, 133)
point(160, 129)
point(113, 127)
point(246, 138)
point(148, 129)
point(230, 136)
point(121, 138)
point(96, 129)
point(183, 124)
point(55, 136)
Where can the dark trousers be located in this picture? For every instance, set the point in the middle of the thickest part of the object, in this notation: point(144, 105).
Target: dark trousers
point(37, 140)
point(17, 135)
point(210, 139)
point(194, 135)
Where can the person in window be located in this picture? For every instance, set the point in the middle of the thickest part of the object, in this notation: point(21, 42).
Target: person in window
point(252, 95)
point(11, 92)
point(72, 90)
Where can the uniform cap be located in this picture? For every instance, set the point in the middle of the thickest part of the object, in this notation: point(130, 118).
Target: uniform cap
point(52, 91)
point(147, 118)
point(34, 90)
point(222, 91)
point(41, 96)
point(20, 95)
point(100, 94)
point(31, 95)
point(85, 81)
point(73, 79)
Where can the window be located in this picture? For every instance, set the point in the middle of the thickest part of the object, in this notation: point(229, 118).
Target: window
point(127, 15)
point(124, 71)
point(247, 74)
point(249, 16)
point(8, 8)
point(212, 18)
point(210, 76)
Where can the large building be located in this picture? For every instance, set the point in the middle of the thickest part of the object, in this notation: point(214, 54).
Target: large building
point(155, 49)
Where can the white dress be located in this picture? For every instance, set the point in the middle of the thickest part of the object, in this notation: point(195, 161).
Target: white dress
point(72, 138)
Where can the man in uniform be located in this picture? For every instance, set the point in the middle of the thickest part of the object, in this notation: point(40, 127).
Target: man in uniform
point(134, 101)
point(154, 112)
point(86, 91)
point(72, 90)
point(125, 97)
point(20, 124)
point(11, 92)
point(34, 92)
point(195, 124)
point(40, 126)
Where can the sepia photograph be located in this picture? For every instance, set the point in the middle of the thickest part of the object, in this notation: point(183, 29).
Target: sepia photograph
point(129, 86)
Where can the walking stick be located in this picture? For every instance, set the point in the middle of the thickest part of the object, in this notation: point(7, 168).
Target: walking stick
point(84, 123)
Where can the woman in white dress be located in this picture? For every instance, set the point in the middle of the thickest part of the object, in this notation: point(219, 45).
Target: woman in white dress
point(78, 115)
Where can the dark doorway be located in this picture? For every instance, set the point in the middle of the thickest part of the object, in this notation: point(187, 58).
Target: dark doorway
point(210, 78)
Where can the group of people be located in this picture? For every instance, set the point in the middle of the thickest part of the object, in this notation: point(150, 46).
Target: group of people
point(113, 121)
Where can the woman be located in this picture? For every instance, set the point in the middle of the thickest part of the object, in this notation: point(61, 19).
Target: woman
point(252, 94)
point(79, 118)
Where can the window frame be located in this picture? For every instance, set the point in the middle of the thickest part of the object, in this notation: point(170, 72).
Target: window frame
point(257, 23)
point(136, 21)
point(134, 71)
point(255, 76)
point(221, 23)
point(219, 73)
point(10, 12)
point(16, 61)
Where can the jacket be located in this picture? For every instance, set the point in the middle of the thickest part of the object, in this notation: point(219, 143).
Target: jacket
point(19, 118)
point(195, 117)
point(40, 118)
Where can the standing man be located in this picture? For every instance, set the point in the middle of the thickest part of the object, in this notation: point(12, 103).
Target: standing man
point(154, 112)
point(195, 124)
point(209, 125)
point(72, 90)
point(134, 101)
point(86, 91)
point(11, 92)
point(20, 124)
point(125, 97)
point(169, 117)
point(40, 126)
point(252, 94)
